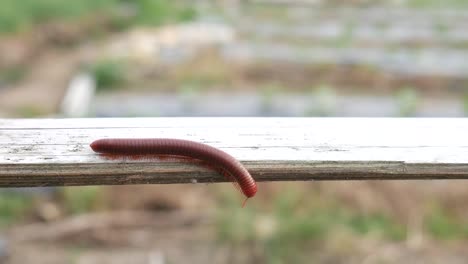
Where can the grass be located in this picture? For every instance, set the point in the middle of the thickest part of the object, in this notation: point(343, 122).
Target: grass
point(23, 15)
point(437, 3)
point(297, 223)
point(204, 72)
point(444, 226)
point(30, 111)
point(346, 38)
point(13, 207)
point(300, 224)
point(12, 74)
point(377, 224)
point(109, 74)
point(78, 200)
point(407, 99)
point(465, 103)
point(268, 93)
point(266, 11)
point(325, 99)
point(155, 12)
point(16, 207)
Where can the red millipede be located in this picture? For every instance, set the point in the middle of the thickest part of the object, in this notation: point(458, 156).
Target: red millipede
point(180, 147)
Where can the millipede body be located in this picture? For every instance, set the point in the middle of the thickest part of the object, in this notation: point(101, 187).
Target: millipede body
point(180, 147)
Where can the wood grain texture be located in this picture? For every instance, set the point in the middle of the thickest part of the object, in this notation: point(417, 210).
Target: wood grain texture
point(56, 152)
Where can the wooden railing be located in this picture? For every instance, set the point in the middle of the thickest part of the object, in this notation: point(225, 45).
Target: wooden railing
point(56, 152)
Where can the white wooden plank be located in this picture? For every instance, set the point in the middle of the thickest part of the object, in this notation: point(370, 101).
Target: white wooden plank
point(54, 151)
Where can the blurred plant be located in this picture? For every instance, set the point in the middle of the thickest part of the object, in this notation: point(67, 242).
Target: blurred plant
point(383, 25)
point(323, 101)
point(155, 12)
point(295, 223)
point(407, 99)
point(74, 253)
point(442, 28)
point(29, 111)
point(13, 207)
point(22, 15)
point(267, 93)
point(12, 75)
point(205, 71)
point(235, 224)
point(188, 94)
point(437, 3)
point(82, 199)
point(465, 103)
point(346, 37)
point(271, 11)
point(442, 225)
point(204, 80)
point(109, 74)
point(188, 91)
point(377, 224)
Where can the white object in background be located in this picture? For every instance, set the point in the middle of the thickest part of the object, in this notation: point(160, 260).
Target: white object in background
point(156, 257)
point(78, 96)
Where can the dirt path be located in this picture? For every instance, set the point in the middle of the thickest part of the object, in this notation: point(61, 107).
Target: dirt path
point(41, 91)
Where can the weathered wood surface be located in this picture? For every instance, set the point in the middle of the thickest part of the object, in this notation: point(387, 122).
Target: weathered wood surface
point(55, 152)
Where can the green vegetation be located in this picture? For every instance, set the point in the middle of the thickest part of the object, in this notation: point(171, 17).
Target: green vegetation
point(13, 207)
point(23, 15)
point(286, 228)
point(346, 38)
point(278, 13)
point(74, 253)
point(294, 223)
point(154, 12)
point(465, 103)
point(377, 224)
point(12, 74)
point(204, 72)
point(438, 3)
point(30, 111)
point(16, 207)
point(268, 92)
point(109, 74)
point(442, 225)
point(324, 100)
point(82, 199)
point(235, 222)
point(407, 100)
point(442, 28)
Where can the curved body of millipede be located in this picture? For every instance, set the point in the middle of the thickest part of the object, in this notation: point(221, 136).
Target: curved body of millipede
point(180, 147)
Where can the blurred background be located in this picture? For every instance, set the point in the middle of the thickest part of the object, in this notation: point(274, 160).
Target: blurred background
point(109, 58)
